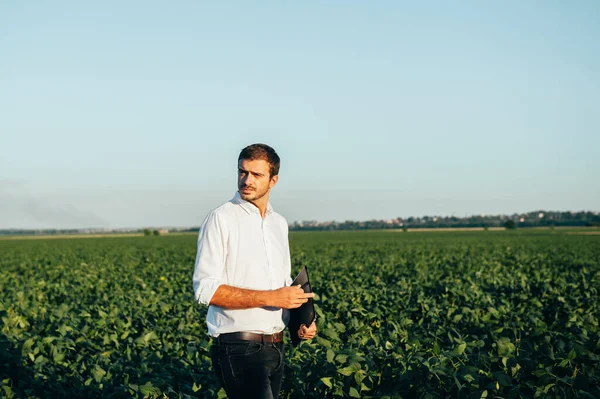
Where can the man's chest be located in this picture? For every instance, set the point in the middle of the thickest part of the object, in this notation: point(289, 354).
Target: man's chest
point(257, 255)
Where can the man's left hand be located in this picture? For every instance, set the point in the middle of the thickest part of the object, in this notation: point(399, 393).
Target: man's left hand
point(307, 332)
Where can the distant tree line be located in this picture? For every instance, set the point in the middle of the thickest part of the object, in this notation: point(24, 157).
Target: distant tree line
point(33, 232)
point(516, 220)
point(529, 219)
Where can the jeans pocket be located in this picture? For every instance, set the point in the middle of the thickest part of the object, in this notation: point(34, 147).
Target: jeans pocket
point(244, 359)
point(281, 352)
point(243, 349)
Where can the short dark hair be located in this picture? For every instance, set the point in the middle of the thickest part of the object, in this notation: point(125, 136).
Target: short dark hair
point(264, 152)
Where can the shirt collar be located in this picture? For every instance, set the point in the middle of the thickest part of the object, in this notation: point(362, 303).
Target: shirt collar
point(248, 206)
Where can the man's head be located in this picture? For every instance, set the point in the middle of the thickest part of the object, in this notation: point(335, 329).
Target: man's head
point(258, 170)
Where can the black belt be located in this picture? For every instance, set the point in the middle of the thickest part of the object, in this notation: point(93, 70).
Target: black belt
point(248, 336)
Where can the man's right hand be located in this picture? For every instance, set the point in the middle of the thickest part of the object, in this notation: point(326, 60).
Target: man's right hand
point(290, 297)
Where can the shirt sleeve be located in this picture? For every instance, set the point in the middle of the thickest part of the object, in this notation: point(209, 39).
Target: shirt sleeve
point(288, 272)
point(210, 258)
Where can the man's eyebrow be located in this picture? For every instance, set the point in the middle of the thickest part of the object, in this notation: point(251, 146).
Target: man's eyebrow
point(249, 171)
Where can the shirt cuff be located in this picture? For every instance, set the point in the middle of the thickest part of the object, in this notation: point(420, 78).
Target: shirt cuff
point(207, 290)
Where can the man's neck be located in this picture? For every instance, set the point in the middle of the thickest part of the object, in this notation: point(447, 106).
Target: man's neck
point(261, 204)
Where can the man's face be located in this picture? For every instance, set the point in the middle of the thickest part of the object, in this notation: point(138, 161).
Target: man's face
point(254, 179)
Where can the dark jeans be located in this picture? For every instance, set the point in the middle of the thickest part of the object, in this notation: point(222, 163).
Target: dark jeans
point(249, 369)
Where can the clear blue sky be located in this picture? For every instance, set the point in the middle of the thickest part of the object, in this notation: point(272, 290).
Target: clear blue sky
point(117, 114)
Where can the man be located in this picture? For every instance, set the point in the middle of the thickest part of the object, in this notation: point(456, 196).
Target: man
point(242, 272)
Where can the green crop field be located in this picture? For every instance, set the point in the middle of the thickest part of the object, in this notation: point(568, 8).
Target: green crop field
point(461, 314)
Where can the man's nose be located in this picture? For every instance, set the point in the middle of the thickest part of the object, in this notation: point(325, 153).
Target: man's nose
point(247, 180)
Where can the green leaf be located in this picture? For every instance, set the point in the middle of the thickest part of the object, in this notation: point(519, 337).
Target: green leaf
point(149, 390)
point(547, 387)
point(502, 378)
point(323, 342)
point(330, 333)
point(458, 384)
point(349, 370)
point(133, 388)
point(540, 373)
point(330, 355)
point(353, 393)
point(319, 312)
point(460, 349)
point(327, 382)
point(98, 373)
point(59, 357)
point(8, 393)
point(341, 358)
point(435, 348)
point(40, 359)
point(505, 347)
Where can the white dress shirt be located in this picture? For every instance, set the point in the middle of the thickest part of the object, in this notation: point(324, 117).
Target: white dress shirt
point(237, 247)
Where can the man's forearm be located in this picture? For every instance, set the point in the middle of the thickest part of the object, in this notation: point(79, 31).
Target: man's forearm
point(229, 297)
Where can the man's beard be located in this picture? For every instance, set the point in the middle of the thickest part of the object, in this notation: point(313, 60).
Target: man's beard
point(253, 195)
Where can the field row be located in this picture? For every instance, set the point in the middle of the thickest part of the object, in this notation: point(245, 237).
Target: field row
point(470, 314)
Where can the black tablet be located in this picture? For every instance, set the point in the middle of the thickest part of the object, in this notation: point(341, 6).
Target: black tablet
point(305, 314)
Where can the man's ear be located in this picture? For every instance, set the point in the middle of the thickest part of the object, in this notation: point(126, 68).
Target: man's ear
point(273, 181)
